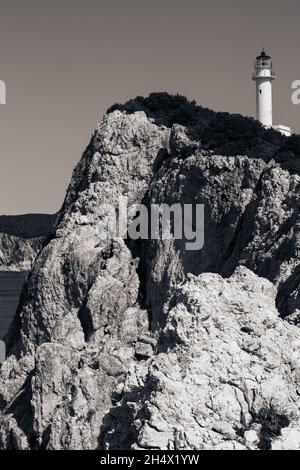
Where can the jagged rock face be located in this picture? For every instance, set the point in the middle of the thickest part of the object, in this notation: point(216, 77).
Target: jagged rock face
point(230, 381)
point(80, 317)
point(251, 218)
point(73, 279)
point(82, 339)
point(21, 239)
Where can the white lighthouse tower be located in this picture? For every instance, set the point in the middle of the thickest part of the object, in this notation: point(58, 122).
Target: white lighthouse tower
point(263, 75)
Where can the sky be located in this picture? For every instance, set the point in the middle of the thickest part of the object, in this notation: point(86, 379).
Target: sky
point(65, 62)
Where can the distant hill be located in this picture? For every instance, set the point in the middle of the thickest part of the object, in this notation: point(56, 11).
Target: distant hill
point(21, 238)
point(27, 225)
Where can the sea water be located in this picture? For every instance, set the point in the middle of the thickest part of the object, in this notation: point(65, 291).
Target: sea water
point(10, 289)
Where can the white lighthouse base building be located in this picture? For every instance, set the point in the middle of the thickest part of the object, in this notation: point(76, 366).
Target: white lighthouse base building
point(284, 130)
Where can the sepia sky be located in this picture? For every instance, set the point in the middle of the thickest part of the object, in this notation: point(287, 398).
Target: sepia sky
point(66, 61)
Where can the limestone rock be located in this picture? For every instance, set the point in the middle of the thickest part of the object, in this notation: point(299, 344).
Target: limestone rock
point(228, 381)
point(136, 344)
point(143, 350)
point(77, 327)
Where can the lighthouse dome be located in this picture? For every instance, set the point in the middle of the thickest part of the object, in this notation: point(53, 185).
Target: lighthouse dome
point(263, 56)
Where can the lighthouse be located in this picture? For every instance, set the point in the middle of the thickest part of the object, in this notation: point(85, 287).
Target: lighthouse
point(264, 75)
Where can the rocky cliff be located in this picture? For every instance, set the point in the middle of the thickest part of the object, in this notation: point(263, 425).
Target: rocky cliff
point(142, 344)
point(21, 238)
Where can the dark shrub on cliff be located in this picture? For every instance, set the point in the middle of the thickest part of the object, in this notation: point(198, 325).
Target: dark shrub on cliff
point(233, 134)
point(288, 154)
point(222, 133)
point(167, 109)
